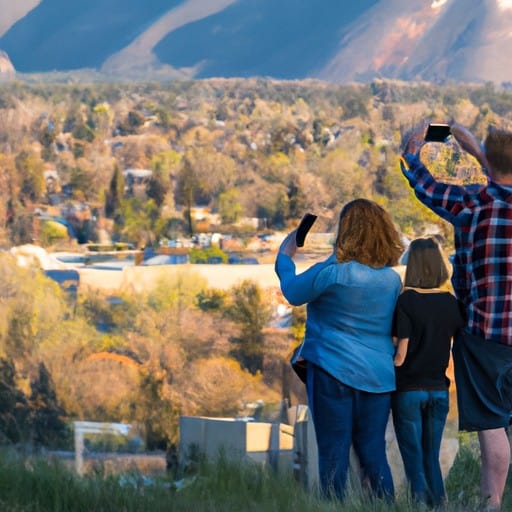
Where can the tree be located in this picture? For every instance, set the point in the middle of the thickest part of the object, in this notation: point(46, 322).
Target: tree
point(137, 221)
point(219, 387)
point(297, 199)
point(249, 309)
point(159, 184)
point(30, 168)
point(48, 427)
point(229, 206)
point(115, 193)
point(14, 410)
point(186, 190)
point(81, 180)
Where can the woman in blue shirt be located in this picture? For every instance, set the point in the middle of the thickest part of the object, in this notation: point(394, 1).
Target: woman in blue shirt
point(348, 347)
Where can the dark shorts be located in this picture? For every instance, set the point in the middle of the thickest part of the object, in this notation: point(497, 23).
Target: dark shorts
point(483, 379)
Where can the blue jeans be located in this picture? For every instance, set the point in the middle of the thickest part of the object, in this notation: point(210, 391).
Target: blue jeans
point(344, 416)
point(419, 418)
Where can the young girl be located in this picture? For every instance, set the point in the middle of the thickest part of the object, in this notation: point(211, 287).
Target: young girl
point(426, 318)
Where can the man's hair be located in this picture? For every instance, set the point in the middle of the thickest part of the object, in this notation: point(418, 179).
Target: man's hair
point(367, 234)
point(426, 266)
point(498, 150)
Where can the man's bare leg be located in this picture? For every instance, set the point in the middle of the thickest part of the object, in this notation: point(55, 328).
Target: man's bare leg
point(495, 455)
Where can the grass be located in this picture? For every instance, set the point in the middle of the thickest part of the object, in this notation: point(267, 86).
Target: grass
point(33, 484)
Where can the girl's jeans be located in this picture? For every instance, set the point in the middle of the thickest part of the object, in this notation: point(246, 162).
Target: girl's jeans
point(419, 418)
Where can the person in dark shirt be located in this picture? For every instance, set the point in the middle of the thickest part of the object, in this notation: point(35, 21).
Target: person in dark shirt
point(425, 321)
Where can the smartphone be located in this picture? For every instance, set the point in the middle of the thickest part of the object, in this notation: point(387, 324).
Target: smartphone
point(305, 225)
point(437, 132)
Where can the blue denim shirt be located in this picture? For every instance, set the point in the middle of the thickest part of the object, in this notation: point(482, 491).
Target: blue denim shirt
point(349, 315)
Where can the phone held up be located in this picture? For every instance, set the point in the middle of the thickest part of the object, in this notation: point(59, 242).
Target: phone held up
point(305, 225)
point(437, 132)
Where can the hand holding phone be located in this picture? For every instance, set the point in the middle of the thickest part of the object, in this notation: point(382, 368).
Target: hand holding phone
point(437, 132)
point(305, 225)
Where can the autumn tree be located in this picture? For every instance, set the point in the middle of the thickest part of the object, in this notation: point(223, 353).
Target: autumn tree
point(30, 169)
point(219, 387)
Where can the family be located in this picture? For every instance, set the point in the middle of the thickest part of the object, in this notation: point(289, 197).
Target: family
point(376, 345)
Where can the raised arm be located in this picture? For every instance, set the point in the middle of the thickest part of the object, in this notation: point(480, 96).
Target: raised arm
point(444, 199)
point(468, 142)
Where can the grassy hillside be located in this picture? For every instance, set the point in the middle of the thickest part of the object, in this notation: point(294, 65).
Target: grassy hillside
point(29, 485)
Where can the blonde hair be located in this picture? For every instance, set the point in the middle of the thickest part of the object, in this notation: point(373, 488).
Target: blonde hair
point(366, 234)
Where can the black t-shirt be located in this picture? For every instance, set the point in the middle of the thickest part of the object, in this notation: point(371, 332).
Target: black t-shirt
point(429, 320)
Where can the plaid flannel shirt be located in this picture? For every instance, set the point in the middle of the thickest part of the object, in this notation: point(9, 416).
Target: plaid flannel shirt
point(482, 267)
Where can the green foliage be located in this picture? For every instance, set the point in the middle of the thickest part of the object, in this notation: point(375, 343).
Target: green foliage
point(249, 309)
point(113, 315)
point(217, 485)
point(138, 221)
point(229, 206)
point(212, 254)
point(30, 169)
point(211, 299)
point(31, 308)
point(37, 484)
point(52, 232)
point(298, 327)
point(81, 181)
point(176, 291)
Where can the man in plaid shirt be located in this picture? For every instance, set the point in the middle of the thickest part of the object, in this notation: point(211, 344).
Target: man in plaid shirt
point(482, 280)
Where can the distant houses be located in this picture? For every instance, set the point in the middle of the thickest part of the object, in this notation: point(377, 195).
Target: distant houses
point(136, 181)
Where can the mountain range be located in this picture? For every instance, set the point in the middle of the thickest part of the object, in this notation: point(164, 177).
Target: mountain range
point(333, 40)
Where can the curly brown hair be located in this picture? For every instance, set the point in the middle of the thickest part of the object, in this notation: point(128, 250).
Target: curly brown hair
point(366, 234)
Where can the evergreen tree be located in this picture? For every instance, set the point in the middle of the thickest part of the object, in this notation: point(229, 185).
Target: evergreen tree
point(115, 193)
point(251, 312)
point(186, 189)
point(158, 186)
point(47, 416)
point(14, 408)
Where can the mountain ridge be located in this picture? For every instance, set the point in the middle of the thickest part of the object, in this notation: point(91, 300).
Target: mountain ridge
point(432, 40)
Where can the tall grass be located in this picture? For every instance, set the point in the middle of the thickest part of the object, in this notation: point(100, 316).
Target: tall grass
point(38, 485)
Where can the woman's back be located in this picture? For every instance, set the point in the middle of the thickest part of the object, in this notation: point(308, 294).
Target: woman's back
point(348, 332)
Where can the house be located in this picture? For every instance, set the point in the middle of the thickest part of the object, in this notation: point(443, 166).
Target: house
point(136, 181)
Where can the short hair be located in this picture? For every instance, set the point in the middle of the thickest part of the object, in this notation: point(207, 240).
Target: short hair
point(498, 151)
point(426, 265)
point(366, 234)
